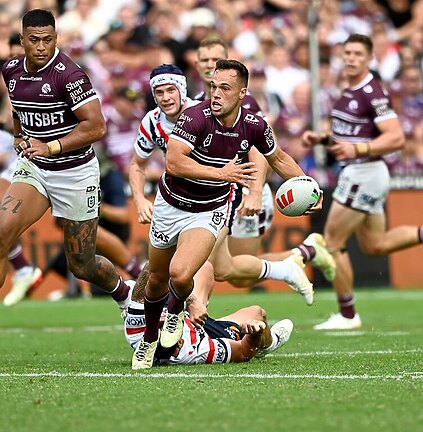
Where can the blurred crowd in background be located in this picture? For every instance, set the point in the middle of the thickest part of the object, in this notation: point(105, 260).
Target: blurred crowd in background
point(118, 42)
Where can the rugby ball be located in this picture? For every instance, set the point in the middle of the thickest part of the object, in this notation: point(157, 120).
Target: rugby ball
point(296, 195)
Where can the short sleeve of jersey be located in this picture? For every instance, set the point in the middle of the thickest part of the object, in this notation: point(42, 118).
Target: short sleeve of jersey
point(144, 144)
point(379, 101)
point(190, 127)
point(264, 142)
point(77, 89)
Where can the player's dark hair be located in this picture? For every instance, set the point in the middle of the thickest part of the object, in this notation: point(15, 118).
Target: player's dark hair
point(38, 18)
point(14, 39)
point(239, 67)
point(360, 38)
point(166, 69)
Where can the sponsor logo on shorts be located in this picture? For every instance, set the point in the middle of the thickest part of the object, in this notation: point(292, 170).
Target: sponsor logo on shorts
point(135, 321)
point(218, 218)
point(90, 189)
point(21, 172)
point(159, 235)
point(220, 352)
point(91, 201)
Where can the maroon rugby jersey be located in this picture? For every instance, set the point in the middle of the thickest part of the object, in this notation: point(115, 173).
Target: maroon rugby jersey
point(357, 111)
point(213, 144)
point(45, 102)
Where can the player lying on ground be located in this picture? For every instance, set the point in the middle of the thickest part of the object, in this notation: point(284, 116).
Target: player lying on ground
point(237, 337)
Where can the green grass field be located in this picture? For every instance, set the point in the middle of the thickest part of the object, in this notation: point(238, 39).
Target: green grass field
point(66, 367)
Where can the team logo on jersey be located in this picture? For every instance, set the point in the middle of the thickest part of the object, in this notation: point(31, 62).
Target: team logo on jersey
point(60, 67)
point(12, 85)
point(46, 88)
point(12, 63)
point(353, 105)
point(244, 145)
point(250, 118)
point(208, 140)
point(368, 89)
point(207, 112)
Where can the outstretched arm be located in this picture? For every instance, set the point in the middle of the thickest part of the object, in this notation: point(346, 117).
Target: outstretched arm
point(245, 349)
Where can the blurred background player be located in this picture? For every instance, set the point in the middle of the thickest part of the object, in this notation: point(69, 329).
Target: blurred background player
point(364, 128)
point(26, 276)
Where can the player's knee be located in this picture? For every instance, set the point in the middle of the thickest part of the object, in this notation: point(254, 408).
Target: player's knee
point(181, 276)
point(80, 268)
point(373, 249)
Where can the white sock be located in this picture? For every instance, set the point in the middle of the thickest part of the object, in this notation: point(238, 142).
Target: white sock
point(278, 270)
point(24, 271)
point(273, 345)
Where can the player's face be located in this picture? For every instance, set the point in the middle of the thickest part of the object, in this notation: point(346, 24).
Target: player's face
point(226, 93)
point(356, 61)
point(206, 61)
point(39, 44)
point(168, 99)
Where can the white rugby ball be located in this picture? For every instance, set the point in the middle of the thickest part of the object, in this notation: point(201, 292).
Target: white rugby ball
point(296, 195)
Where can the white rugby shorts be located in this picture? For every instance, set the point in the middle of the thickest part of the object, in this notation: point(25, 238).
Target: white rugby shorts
point(168, 222)
point(73, 193)
point(363, 186)
point(257, 225)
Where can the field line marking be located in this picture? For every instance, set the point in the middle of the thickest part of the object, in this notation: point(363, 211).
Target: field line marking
point(413, 375)
point(338, 353)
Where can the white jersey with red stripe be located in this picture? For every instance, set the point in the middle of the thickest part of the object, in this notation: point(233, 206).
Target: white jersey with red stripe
point(154, 131)
point(198, 347)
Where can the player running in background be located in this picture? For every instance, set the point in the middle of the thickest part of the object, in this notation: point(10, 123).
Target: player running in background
point(26, 276)
point(57, 116)
point(246, 231)
point(364, 127)
point(206, 153)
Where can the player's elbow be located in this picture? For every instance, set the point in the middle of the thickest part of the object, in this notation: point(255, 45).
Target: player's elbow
point(399, 141)
point(101, 131)
point(172, 167)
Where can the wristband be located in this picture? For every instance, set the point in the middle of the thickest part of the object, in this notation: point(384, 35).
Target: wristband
point(362, 149)
point(325, 139)
point(54, 147)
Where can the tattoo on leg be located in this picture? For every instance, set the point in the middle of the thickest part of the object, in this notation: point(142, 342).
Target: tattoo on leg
point(80, 241)
point(9, 202)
